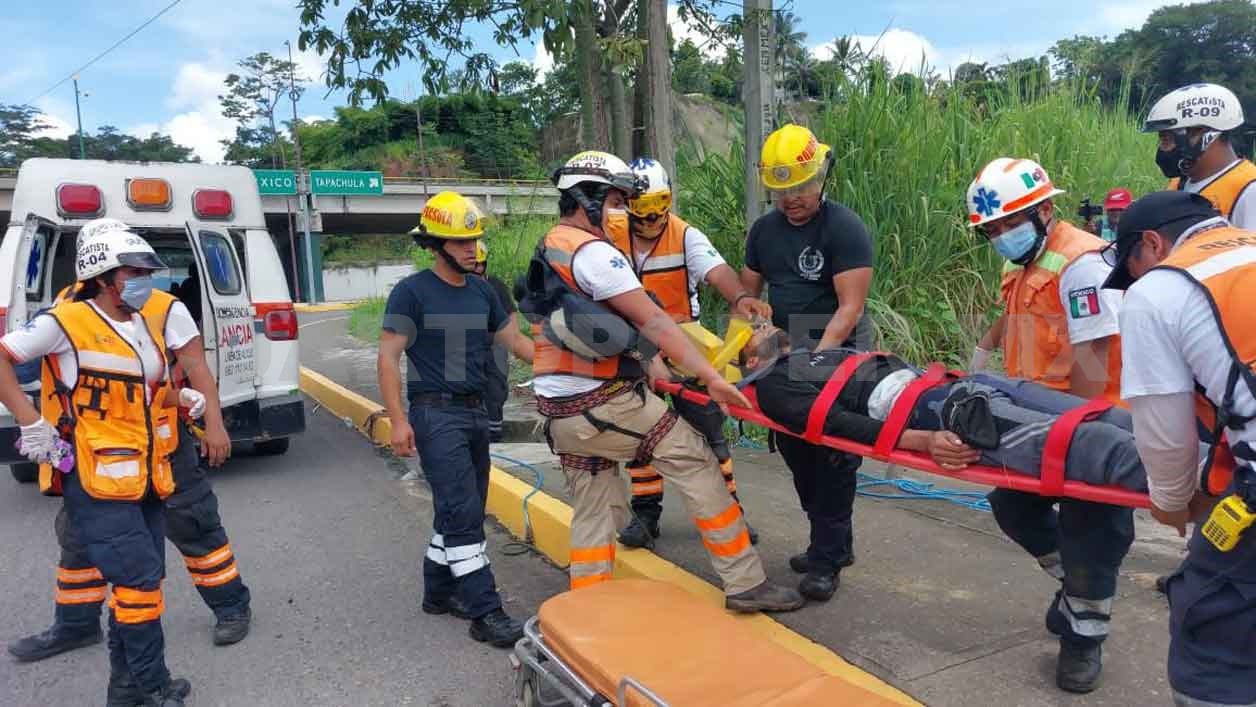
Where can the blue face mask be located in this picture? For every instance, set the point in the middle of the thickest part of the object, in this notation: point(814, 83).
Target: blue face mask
point(1018, 243)
point(136, 291)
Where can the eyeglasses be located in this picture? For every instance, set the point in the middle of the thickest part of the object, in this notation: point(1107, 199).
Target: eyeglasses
point(1109, 256)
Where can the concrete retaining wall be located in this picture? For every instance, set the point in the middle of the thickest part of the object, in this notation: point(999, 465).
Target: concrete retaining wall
point(359, 283)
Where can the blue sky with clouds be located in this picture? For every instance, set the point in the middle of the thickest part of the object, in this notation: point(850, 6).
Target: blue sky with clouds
point(168, 76)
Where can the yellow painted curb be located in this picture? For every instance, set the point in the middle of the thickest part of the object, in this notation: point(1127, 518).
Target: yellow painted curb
point(324, 307)
point(550, 521)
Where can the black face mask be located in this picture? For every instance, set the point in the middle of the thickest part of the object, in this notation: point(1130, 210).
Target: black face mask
point(1178, 161)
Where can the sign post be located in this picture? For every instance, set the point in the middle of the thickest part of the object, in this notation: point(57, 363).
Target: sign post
point(758, 49)
point(325, 182)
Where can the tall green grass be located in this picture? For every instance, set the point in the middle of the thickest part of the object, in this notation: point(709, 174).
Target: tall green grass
point(904, 162)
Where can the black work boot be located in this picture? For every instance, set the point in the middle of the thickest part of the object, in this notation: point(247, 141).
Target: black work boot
point(800, 564)
point(172, 695)
point(57, 639)
point(1079, 666)
point(123, 692)
point(639, 533)
point(497, 629)
point(819, 586)
point(765, 597)
point(452, 606)
point(232, 629)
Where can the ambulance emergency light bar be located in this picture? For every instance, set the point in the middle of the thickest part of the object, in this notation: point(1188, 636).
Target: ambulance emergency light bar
point(85, 201)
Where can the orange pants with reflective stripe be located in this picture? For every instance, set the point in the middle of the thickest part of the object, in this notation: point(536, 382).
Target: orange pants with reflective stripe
point(682, 457)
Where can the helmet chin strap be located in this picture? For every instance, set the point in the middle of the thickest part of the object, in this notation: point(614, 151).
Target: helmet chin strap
point(591, 209)
point(1041, 229)
point(452, 261)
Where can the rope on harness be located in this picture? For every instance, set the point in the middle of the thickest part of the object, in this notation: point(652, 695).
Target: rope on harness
point(517, 547)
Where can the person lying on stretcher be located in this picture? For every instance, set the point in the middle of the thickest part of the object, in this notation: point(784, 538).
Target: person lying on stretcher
point(986, 419)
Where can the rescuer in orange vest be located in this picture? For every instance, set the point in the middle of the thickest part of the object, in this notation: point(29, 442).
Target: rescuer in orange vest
point(1194, 124)
point(1058, 329)
point(1190, 346)
point(671, 258)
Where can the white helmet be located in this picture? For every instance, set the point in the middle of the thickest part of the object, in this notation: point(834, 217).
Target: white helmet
point(100, 225)
point(106, 249)
point(1197, 105)
point(594, 167)
point(1006, 186)
point(655, 195)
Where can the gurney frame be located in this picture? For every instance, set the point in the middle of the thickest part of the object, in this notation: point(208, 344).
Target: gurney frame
point(536, 664)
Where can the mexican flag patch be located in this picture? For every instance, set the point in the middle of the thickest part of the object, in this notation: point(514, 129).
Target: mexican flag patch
point(1084, 302)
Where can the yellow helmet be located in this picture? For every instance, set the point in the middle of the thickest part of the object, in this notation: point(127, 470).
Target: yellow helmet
point(481, 251)
point(791, 156)
point(451, 216)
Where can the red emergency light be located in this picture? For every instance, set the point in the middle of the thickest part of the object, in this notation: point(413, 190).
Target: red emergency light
point(79, 201)
point(212, 203)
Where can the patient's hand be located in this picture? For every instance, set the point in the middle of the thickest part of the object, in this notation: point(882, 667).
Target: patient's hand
point(950, 452)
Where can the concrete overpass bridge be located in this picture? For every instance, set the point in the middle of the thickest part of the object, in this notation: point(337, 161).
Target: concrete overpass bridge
point(395, 211)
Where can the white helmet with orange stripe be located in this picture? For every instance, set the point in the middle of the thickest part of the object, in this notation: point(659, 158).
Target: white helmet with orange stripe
point(1007, 186)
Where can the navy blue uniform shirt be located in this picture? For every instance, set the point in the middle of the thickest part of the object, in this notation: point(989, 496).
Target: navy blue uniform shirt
point(449, 332)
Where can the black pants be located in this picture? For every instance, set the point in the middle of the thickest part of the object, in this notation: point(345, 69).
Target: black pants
point(453, 450)
point(825, 480)
point(124, 540)
point(194, 526)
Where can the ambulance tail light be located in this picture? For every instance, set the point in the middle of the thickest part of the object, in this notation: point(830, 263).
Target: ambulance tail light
point(79, 201)
point(148, 194)
point(212, 203)
point(4, 319)
point(278, 320)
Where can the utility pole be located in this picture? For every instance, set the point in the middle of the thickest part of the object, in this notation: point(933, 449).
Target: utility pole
point(759, 47)
point(303, 183)
point(79, 114)
point(659, 133)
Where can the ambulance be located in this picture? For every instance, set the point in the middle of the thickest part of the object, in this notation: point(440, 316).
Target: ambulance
point(207, 224)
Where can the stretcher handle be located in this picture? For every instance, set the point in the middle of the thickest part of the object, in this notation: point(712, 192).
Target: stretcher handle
point(1060, 438)
point(828, 394)
point(900, 414)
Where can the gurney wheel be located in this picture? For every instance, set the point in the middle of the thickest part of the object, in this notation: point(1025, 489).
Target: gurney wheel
point(526, 695)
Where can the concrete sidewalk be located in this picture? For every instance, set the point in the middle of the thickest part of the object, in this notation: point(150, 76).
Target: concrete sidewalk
point(938, 603)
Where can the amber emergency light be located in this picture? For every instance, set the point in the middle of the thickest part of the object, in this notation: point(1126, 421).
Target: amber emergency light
point(148, 194)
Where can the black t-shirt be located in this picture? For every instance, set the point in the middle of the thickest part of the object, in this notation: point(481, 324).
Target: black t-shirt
point(788, 391)
point(799, 263)
point(449, 331)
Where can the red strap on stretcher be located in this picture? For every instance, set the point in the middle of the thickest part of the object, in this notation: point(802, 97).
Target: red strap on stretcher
point(828, 394)
point(1060, 438)
point(900, 414)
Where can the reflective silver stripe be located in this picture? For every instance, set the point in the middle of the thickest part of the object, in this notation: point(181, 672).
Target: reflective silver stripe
point(462, 568)
point(465, 552)
point(127, 365)
point(436, 550)
point(558, 256)
point(1089, 627)
point(663, 262)
point(1224, 262)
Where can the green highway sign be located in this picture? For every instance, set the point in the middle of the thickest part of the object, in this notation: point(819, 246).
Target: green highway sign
point(341, 183)
point(282, 182)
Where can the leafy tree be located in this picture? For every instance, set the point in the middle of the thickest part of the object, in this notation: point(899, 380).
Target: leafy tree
point(18, 126)
point(253, 97)
point(109, 144)
point(690, 71)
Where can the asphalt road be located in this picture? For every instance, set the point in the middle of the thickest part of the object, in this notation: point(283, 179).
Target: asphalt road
point(329, 541)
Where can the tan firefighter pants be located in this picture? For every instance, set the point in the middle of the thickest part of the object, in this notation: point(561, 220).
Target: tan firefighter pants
point(681, 456)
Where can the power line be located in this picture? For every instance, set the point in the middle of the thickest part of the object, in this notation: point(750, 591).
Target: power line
point(101, 55)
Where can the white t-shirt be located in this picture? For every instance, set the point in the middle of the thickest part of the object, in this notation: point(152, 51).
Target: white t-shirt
point(602, 272)
point(1092, 311)
point(1170, 340)
point(43, 336)
point(700, 259)
point(1244, 213)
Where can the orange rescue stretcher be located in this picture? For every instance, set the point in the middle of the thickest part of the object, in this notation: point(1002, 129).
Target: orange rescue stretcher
point(633, 643)
point(1050, 483)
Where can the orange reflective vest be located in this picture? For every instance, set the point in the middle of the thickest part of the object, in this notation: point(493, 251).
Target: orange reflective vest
point(121, 440)
point(1225, 190)
point(1222, 263)
point(664, 271)
point(1035, 342)
point(559, 247)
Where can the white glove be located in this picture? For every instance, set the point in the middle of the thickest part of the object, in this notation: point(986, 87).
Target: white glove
point(38, 441)
point(979, 360)
point(193, 400)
